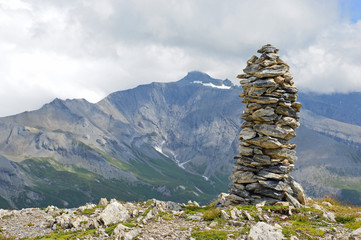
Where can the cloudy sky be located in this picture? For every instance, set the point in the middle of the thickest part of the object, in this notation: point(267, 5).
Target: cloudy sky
point(90, 48)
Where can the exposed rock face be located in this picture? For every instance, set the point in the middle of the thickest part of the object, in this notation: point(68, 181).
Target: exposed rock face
point(261, 170)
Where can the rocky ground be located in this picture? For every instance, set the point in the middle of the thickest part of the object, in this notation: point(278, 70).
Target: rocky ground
point(153, 219)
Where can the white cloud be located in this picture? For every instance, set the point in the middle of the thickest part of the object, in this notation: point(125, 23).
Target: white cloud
point(88, 49)
point(332, 62)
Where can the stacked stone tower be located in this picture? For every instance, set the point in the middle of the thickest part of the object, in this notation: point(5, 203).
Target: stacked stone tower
point(261, 171)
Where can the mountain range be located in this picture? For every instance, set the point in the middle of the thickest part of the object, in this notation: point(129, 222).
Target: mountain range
point(171, 141)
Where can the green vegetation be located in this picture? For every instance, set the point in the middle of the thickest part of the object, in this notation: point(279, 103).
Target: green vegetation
point(345, 218)
point(88, 211)
point(65, 235)
point(109, 230)
point(211, 214)
point(165, 215)
point(215, 234)
point(195, 209)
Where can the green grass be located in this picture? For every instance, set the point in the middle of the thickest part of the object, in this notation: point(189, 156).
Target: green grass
point(109, 230)
point(194, 209)
point(214, 234)
point(211, 214)
point(88, 211)
point(65, 235)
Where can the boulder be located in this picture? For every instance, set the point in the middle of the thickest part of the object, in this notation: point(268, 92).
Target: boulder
point(264, 231)
point(113, 213)
point(356, 234)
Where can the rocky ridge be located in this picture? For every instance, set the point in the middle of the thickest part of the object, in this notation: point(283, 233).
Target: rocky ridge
point(261, 171)
point(155, 219)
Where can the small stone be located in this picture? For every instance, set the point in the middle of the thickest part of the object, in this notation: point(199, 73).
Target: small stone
point(265, 142)
point(247, 133)
point(260, 100)
point(297, 106)
point(264, 83)
point(243, 177)
point(292, 200)
point(327, 204)
point(268, 48)
point(262, 158)
point(288, 121)
point(213, 224)
point(282, 153)
point(224, 215)
point(269, 175)
point(236, 223)
point(275, 185)
point(286, 111)
point(288, 77)
point(271, 71)
point(245, 151)
point(195, 218)
point(252, 68)
point(103, 202)
point(264, 114)
point(248, 216)
point(298, 191)
point(275, 131)
point(255, 92)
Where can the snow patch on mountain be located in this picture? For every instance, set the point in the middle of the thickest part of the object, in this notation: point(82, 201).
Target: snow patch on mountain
point(212, 85)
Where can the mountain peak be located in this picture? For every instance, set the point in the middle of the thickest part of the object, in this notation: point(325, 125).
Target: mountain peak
point(196, 77)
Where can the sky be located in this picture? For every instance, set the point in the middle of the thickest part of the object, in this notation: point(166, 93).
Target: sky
point(91, 48)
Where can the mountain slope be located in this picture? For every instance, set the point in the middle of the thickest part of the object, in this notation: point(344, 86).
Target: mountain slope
point(174, 141)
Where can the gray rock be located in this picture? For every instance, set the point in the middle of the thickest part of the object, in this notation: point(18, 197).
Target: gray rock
point(236, 223)
point(132, 234)
point(264, 83)
point(292, 200)
point(271, 71)
point(265, 142)
point(255, 92)
point(288, 121)
point(275, 131)
point(269, 175)
point(247, 133)
point(298, 191)
point(113, 213)
point(243, 177)
point(273, 184)
point(245, 151)
point(356, 234)
point(173, 206)
point(253, 106)
point(286, 111)
point(268, 48)
point(264, 231)
point(103, 202)
point(195, 218)
point(262, 158)
point(260, 100)
point(264, 114)
point(282, 153)
point(253, 186)
point(252, 68)
point(224, 215)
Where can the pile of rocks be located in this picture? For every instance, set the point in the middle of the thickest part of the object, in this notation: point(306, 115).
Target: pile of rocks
point(261, 171)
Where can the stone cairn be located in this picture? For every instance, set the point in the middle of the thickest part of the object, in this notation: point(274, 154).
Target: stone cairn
point(261, 171)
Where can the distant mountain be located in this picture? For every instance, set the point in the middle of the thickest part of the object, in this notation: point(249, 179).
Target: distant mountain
point(173, 141)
